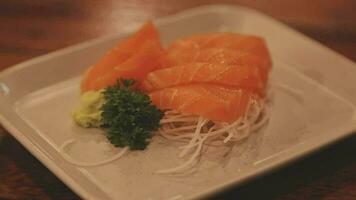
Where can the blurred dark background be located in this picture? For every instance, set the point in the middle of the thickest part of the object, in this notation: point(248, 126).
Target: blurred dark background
point(29, 28)
point(34, 27)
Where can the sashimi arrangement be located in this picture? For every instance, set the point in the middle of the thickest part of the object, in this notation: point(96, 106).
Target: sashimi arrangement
point(202, 90)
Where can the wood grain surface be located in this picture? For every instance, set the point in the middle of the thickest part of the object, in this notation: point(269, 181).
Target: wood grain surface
point(29, 28)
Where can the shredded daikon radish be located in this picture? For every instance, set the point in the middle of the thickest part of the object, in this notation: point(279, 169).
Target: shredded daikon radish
point(197, 131)
point(69, 159)
point(189, 162)
point(196, 136)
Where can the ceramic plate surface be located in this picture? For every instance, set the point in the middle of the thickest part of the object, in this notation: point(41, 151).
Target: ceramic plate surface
point(313, 95)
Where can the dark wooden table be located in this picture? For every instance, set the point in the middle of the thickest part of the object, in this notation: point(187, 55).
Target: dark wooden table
point(29, 28)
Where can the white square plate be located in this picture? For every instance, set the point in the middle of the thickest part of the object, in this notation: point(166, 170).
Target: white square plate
point(37, 97)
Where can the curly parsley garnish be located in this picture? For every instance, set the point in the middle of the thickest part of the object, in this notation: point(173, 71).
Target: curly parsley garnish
point(128, 116)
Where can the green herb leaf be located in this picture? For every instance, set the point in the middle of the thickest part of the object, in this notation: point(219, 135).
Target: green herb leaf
point(129, 116)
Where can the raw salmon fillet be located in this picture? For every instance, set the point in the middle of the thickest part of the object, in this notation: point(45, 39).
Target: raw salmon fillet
point(235, 76)
point(148, 58)
point(213, 55)
point(147, 38)
point(246, 43)
point(228, 48)
point(210, 101)
point(220, 56)
point(212, 75)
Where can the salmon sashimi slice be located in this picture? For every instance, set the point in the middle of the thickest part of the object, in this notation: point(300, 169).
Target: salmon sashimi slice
point(213, 102)
point(195, 48)
point(236, 76)
point(149, 57)
point(248, 43)
point(212, 55)
point(219, 56)
point(119, 54)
